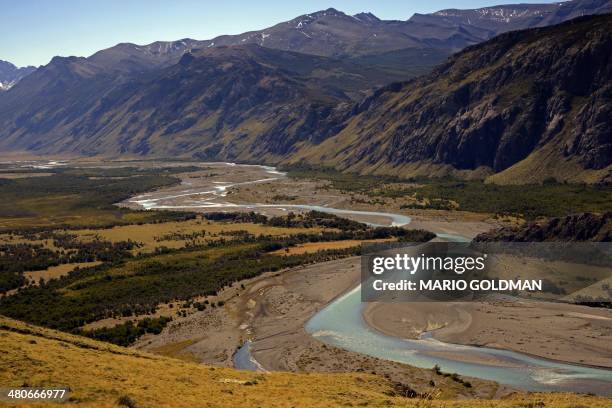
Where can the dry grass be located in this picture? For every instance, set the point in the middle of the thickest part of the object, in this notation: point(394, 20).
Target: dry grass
point(84, 217)
point(54, 272)
point(18, 239)
point(99, 374)
point(177, 350)
point(311, 247)
point(157, 235)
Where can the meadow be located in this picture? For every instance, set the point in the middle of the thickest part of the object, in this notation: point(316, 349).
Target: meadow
point(77, 198)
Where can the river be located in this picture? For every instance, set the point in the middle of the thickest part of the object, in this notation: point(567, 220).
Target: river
point(341, 322)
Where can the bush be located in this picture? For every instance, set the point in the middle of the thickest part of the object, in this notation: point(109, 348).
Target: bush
point(126, 333)
point(126, 401)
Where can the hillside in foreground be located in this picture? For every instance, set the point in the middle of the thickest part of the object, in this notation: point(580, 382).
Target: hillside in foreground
point(100, 375)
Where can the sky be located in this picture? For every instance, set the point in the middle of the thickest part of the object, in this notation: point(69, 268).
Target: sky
point(34, 31)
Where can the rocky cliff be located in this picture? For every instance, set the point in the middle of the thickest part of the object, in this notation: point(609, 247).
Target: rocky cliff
point(527, 105)
point(576, 227)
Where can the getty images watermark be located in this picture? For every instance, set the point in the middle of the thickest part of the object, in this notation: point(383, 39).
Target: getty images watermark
point(444, 271)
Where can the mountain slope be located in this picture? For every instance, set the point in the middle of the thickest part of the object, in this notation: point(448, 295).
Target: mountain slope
point(129, 58)
point(10, 74)
point(528, 105)
point(573, 228)
point(510, 17)
point(232, 102)
point(99, 374)
point(333, 33)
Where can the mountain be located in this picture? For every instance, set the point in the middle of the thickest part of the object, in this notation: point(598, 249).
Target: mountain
point(522, 107)
point(499, 19)
point(333, 33)
point(10, 74)
point(129, 58)
point(526, 105)
point(243, 102)
point(576, 227)
point(327, 33)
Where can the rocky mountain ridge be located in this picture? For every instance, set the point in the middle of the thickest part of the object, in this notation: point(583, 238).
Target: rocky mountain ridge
point(333, 33)
point(10, 74)
point(575, 227)
point(527, 105)
point(510, 17)
point(221, 102)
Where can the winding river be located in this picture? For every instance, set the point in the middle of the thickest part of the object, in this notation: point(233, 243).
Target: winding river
point(341, 322)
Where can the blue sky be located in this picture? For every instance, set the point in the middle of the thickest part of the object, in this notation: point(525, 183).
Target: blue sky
point(33, 31)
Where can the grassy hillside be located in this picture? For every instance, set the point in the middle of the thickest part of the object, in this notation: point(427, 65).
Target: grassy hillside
point(99, 375)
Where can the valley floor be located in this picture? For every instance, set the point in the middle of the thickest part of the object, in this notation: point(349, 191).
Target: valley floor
point(271, 309)
point(271, 312)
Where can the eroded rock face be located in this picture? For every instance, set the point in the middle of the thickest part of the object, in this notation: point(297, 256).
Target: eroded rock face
point(590, 137)
point(496, 103)
point(577, 227)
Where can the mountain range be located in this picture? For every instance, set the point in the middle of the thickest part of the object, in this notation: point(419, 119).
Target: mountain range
point(499, 19)
point(10, 74)
point(210, 101)
point(333, 33)
point(328, 89)
point(526, 105)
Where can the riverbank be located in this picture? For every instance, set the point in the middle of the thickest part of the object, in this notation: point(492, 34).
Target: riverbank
point(97, 373)
point(271, 311)
point(556, 331)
